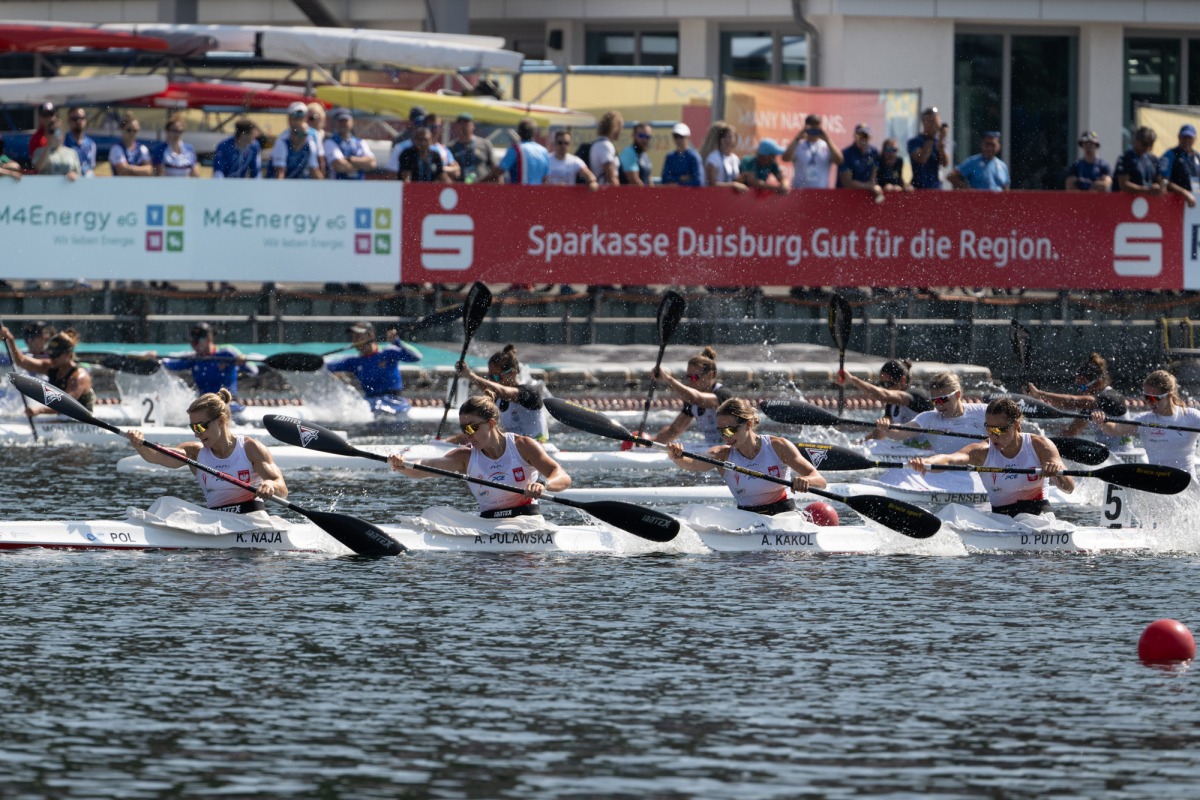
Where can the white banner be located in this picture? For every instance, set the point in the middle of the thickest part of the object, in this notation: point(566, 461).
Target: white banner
point(198, 229)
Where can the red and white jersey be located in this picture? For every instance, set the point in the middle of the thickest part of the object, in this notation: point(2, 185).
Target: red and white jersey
point(749, 491)
point(219, 493)
point(1004, 489)
point(510, 468)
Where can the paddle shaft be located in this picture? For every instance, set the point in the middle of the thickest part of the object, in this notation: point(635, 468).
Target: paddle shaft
point(476, 304)
point(449, 473)
point(1143, 477)
point(24, 400)
point(662, 348)
point(670, 310)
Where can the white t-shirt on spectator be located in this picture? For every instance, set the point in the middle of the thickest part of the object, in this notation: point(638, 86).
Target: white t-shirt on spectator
point(811, 164)
point(564, 171)
point(728, 167)
point(603, 152)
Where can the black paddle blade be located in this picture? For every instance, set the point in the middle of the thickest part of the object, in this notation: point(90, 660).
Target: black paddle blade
point(310, 435)
point(1083, 451)
point(791, 412)
point(295, 362)
point(134, 365)
point(57, 399)
point(1018, 334)
point(670, 311)
point(359, 535)
point(475, 308)
point(1036, 409)
point(832, 458)
point(905, 518)
point(585, 419)
point(437, 318)
point(1111, 403)
point(840, 320)
point(645, 523)
point(1145, 477)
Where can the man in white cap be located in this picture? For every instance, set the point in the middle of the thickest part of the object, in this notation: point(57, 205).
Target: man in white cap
point(683, 166)
point(295, 153)
point(347, 157)
point(1090, 173)
point(1180, 166)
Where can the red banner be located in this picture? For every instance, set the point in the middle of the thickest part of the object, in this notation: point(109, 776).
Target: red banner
point(710, 237)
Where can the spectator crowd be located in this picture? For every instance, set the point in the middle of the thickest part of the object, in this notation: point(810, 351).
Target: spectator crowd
point(307, 150)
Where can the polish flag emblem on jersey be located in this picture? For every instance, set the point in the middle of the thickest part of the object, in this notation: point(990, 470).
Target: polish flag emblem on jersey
point(773, 472)
point(243, 475)
point(519, 474)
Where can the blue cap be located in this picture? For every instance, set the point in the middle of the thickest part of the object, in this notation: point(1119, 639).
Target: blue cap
point(769, 147)
point(1188, 130)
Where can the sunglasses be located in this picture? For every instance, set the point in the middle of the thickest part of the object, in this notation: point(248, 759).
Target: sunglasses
point(890, 150)
point(470, 428)
point(201, 427)
point(643, 136)
point(498, 375)
point(56, 352)
point(1154, 398)
point(567, 142)
point(731, 430)
point(695, 376)
point(998, 430)
point(946, 398)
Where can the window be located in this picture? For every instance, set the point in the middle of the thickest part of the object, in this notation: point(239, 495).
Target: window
point(1024, 86)
point(1193, 84)
point(623, 49)
point(764, 56)
point(1151, 73)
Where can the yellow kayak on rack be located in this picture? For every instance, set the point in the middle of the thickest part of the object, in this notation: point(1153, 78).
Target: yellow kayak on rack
point(485, 110)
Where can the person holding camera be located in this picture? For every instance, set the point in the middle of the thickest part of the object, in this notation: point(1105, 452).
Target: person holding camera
point(927, 151)
point(812, 153)
point(55, 158)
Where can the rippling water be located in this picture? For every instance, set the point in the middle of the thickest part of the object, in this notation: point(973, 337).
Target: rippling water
point(912, 674)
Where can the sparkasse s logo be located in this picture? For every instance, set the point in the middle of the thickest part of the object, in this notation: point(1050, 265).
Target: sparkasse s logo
point(447, 240)
point(1137, 246)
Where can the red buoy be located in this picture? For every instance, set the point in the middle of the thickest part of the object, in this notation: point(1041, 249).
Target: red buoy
point(1166, 640)
point(822, 514)
point(627, 445)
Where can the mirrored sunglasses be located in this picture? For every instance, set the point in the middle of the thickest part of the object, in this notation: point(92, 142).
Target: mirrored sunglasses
point(470, 428)
point(1154, 398)
point(201, 427)
point(946, 398)
point(998, 430)
point(730, 430)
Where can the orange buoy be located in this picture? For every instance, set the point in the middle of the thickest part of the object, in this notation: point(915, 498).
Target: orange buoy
point(1166, 640)
point(822, 514)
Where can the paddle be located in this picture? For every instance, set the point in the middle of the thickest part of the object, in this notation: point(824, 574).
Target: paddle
point(670, 311)
point(1018, 334)
point(360, 536)
point(645, 523)
point(24, 400)
point(147, 365)
point(899, 516)
point(1143, 477)
point(1071, 448)
point(840, 320)
point(475, 307)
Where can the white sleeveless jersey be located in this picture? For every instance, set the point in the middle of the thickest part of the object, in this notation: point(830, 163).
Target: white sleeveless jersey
point(526, 416)
point(750, 491)
point(899, 415)
point(1004, 489)
point(219, 493)
point(509, 469)
point(971, 421)
point(1170, 448)
point(706, 418)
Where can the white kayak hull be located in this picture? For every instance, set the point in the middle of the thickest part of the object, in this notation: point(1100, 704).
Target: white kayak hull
point(731, 530)
point(130, 535)
point(983, 532)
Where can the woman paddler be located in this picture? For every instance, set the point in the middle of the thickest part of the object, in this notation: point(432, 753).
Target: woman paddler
point(492, 454)
point(521, 409)
point(216, 446)
point(58, 366)
point(737, 423)
point(901, 401)
point(1094, 385)
point(701, 396)
point(949, 413)
point(1165, 447)
point(1007, 447)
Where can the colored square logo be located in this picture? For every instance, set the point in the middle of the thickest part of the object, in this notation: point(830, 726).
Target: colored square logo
point(362, 243)
point(383, 244)
point(383, 218)
point(154, 215)
point(154, 241)
point(175, 216)
point(174, 241)
point(362, 218)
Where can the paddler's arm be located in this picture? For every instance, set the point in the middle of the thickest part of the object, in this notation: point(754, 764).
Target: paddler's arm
point(895, 397)
point(677, 428)
point(137, 439)
point(883, 427)
point(456, 461)
point(264, 464)
point(1052, 464)
point(1112, 428)
point(807, 476)
point(1067, 402)
point(675, 453)
point(498, 390)
point(974, 454)
point(554, 477)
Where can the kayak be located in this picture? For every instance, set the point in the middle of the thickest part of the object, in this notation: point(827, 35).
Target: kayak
point(983, 532)
point(733, 530)
point(64, 430)
point(174, 524)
